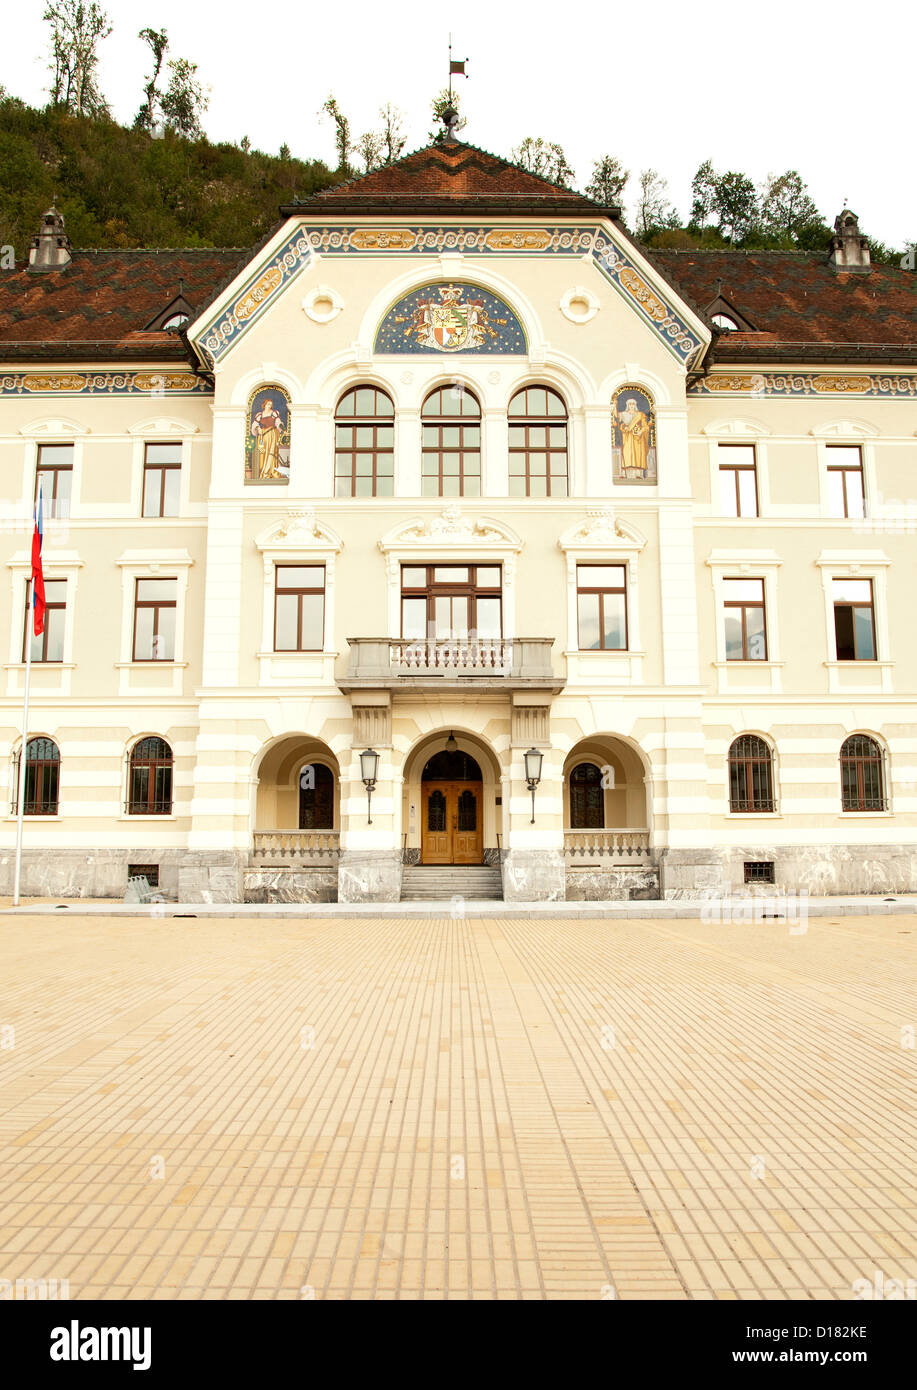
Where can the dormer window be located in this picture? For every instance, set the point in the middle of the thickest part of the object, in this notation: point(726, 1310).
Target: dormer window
point(725, 324)
point(174, 322)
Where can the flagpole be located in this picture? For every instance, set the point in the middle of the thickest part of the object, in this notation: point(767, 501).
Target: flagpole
point(450, 69)
point(24, 749)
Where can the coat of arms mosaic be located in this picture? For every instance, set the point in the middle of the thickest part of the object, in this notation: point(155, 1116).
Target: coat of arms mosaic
point(450, 318)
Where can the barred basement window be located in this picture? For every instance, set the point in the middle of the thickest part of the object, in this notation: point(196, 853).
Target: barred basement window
point(150, 779)
point(751, 776)
point(759, 871)
point(862, 775)
point(148, 871)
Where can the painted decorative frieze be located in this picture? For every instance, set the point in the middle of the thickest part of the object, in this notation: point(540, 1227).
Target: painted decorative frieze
point(817, 384)
point(146, 383)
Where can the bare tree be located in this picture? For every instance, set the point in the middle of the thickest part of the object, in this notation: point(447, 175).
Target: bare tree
point(653, 207)
point(146, 116)
point(369, 149)
point(341, 133)
point(393, 136)
point(77, 29)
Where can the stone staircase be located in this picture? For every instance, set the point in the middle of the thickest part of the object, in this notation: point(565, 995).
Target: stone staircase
point(441, 883)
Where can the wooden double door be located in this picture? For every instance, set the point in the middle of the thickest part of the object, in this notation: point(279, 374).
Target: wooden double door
point(453, 831)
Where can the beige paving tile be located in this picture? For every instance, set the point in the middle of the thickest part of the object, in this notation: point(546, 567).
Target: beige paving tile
point(489, 1109)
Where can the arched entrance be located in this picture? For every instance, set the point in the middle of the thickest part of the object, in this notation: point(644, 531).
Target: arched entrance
point(452, 809)
point(297, 799)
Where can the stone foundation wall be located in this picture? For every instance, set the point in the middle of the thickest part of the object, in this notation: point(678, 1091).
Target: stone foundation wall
point(305, 884)
point(820, 870)
point(534, 875)
point(92, 873)
point(366, 876)
point(612, 883)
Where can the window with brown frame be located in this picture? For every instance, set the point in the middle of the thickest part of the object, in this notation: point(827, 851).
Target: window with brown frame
point(862, 774)
point(587, 798)
point(149, 791)
point(854, 620)
point(538, 465)
point(744, 620)
point(42, 778)
point(738, 480)
point(49, 646)
point(451, 448)
point(846, 492)
point(440, 602)
point(299, 608)
point(161, 479)
point(364, 444)
point(601, 607)
point(55, 475)
point(155, 607)
point(751, 775)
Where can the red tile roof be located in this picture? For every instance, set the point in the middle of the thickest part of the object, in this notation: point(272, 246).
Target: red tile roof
point(799, 305)
point(452, 178)
point(99, 305)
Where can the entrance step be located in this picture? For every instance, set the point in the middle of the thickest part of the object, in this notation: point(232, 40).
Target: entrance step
point(441, 882)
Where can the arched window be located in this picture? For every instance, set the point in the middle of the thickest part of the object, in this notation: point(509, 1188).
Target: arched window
point(42, 778)
point(587, 798)
point(725, 323)
point(537, 443)
point(451, 455)
point(316, 797)
point(364, 444)
point(149, 783)
point(751, 775)
point(862, 774)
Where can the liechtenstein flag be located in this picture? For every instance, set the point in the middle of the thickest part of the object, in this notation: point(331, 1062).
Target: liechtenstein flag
point(38, 578)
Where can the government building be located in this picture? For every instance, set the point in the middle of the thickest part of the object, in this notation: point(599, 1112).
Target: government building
point(450, 543)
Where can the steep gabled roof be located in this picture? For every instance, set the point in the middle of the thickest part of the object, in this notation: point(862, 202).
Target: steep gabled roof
point(801, 307)
point(448, 178)
point(100, 304)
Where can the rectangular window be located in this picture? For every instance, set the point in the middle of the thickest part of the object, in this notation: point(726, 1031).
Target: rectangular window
point(154, 619)
point(299, 608)
point(846, 494)
point(601, 606)
point(743, 619)
point(854, 620)
point(50, 645)
point(55, 475)
point(759, 871)
point(738, 480)
point(161, 479)
point(443, 602)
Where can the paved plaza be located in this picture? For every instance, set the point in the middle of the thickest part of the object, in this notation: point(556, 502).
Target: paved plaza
point(491, 1108)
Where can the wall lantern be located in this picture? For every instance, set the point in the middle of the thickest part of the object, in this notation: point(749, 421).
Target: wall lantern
point(533, 761)
point(451, 743)
point(369, 767)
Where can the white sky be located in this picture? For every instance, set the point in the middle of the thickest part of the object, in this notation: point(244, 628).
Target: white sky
point(822, 86)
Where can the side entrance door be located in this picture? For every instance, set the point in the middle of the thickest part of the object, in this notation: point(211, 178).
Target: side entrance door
point(452, 828)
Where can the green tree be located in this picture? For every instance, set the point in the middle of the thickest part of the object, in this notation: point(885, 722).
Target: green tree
point(368, 149)
point(158, 42)
point(544, 158)
point(609, 178)
point(736, 205)
point(787, 210)
point(77, 29)
point(184, 100)
point(703, 194)
point(341, 134)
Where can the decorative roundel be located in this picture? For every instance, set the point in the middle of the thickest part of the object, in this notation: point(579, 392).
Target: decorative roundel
point(322, 304)
point(579, 305)
point(407, 378)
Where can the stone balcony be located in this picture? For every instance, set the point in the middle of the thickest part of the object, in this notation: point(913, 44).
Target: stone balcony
point(295, 846)
point(614, 845)
point(484, 664)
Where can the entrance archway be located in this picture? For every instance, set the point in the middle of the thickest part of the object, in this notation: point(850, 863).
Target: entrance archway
point(452, 809)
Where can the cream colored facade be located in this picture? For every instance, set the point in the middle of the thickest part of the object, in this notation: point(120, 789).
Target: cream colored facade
point(242, 720)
